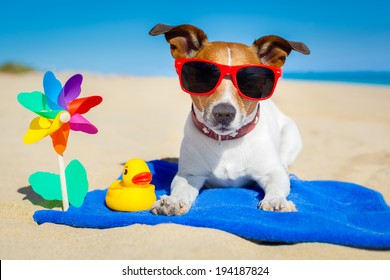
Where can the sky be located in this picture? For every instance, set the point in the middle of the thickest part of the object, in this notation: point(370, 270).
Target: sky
point(112, 36)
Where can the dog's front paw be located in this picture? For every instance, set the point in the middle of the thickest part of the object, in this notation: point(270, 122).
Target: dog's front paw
point(277, 204)
point(169, 206)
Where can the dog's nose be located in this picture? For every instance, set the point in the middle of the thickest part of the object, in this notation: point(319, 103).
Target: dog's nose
point(224, 113)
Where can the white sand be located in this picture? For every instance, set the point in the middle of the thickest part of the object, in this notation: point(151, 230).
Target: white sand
point(345, 129)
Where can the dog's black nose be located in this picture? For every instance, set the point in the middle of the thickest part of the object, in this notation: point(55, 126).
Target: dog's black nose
point(224, 113)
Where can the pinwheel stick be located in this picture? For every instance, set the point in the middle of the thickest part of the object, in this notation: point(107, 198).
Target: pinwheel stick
point(64, 190)
point(64, 118)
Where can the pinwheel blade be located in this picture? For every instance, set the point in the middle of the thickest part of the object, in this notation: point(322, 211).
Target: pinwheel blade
point(60, 138)
point(48, 114)
point(46, 184)
point(71, 90)
point(41, 127)
point(36, 102)
point(52, 88)
point(83, 105)
point(79, 123)
point(77, 182)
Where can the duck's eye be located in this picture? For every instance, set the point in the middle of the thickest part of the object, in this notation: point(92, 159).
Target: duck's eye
point(125, 172)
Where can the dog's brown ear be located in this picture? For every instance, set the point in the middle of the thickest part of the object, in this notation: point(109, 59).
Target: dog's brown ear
point(273, 50)
point(185, 40)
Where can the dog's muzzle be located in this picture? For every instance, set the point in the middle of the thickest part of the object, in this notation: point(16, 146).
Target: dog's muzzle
point(234, 135)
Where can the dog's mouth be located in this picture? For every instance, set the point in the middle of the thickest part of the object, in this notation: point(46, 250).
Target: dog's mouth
point(223, 130)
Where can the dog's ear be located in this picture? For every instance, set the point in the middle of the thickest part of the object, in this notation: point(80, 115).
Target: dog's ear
point(273, 50)
point(185, 40)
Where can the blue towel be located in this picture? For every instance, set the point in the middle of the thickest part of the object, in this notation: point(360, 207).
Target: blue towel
point(328, 211)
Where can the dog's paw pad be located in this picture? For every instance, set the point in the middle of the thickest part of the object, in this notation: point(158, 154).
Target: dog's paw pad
point(277, 204)
point(168, 206)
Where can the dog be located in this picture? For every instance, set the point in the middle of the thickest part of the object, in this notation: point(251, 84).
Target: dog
point(234, 135)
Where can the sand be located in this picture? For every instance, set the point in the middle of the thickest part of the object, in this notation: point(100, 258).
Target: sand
point(345, 129)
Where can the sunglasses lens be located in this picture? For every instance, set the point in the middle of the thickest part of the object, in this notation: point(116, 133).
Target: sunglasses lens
point(256, 82)
point(199, 77)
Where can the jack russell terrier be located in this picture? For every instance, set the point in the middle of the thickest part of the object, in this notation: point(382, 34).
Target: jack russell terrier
point(233, 136)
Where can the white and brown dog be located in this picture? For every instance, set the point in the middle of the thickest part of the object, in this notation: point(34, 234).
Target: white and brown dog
point(228, 139)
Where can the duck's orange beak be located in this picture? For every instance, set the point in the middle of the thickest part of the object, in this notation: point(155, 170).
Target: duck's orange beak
point(143, 178)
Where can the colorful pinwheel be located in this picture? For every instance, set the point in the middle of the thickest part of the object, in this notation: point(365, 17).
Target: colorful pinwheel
point(59, 111)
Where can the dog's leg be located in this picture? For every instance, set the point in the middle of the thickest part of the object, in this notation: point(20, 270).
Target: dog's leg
point(290, 141)
point(276, 186)
point(184, 190)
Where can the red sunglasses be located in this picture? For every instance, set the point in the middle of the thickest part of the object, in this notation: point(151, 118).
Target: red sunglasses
point(201, 77)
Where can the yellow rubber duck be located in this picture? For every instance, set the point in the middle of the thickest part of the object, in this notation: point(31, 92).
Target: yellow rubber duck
point(134, 192)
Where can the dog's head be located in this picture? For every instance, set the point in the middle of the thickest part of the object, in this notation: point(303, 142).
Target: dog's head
point(225, 111)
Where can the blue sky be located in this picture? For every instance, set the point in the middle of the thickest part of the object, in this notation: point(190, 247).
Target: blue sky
point(112, 36)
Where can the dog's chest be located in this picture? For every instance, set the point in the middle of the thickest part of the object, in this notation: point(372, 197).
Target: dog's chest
point(229, 170)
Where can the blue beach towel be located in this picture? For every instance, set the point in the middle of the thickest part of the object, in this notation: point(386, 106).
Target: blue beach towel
point(328, 211)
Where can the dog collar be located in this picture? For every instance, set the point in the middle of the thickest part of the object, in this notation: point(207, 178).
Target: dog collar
point(234, 135)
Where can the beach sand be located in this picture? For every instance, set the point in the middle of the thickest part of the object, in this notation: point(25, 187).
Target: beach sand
point(345, 130)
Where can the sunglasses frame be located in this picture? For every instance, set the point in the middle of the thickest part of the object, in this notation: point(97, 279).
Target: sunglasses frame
point(225, 70)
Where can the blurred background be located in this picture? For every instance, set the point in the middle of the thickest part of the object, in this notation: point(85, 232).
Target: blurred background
point(111, 37)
